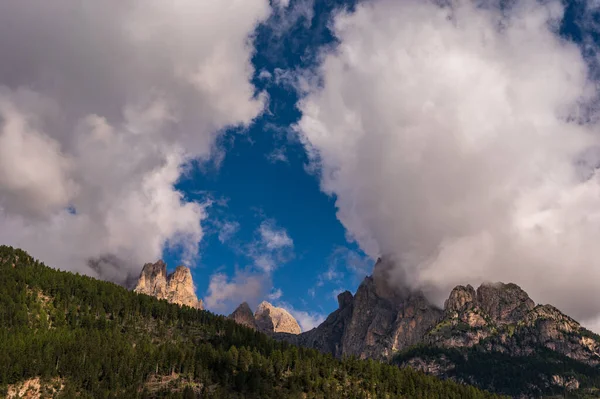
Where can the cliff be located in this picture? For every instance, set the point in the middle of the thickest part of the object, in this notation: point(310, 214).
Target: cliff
point(177, 287)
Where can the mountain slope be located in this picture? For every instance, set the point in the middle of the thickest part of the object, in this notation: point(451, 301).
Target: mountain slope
point(494, 337)
point(95, 339)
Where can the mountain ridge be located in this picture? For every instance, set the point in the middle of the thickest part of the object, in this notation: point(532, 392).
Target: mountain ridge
point(65, 335)
point(267, 318)
point(496, 320)
point(176, 287)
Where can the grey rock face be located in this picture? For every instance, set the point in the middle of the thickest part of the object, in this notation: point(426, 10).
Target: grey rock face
point(375, 323)
point(385, 318)
point(243, 315)
point(385, 321)
point(504, 303)
point(345, 299)
point(328, 336)
point(381, 320)
point(177, 287)
point(461, 298)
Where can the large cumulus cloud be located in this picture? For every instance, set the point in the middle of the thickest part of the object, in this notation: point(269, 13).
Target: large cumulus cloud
point(101, 106)
point(459, 140)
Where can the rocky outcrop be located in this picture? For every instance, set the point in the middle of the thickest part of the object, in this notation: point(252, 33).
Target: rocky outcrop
point(270, 318)
point(494, 327)
point(243, 315)
point(177, 287)
point(385, 319)
point(328, 336)
point(153, 280)
point(503, 328)
point(504, 303)
point(376, 322)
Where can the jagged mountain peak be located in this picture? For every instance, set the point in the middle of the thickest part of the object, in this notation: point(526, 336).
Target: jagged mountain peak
point(505, 303)
point(460, 298)
point(243, 315)
point(176, 287)
point(267, 318)
point(270, 318)
point(154, 270)
point(345, 299)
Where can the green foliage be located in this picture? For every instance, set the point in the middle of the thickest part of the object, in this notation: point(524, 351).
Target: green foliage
point(510, 375)
point(104, 341)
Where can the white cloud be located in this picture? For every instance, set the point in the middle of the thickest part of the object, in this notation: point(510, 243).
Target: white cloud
point(265, 75)
point(282, 3)
point(272, 248)
point(277, 155)
point(225, 294)
point(451, 140)
point(100, 108)
point(289, 13)
point(33, 171)
point(275, 295)
point(227, 230)
point(274, 237)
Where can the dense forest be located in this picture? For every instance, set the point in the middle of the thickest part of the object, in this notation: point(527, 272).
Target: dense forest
point(512, 375)
point(94, 339)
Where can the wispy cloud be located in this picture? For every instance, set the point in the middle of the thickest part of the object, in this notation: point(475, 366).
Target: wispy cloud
point(274, 237)
point(343, 261)
point(278, 155)
point(272, 247)
point(225, 293)
point(227, 230)
point(275, 295)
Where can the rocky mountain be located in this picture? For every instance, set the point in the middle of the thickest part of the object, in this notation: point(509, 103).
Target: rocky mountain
point(64, 335)
point(496, 337)
point(270, 318)
point(375, 323)
point(177, 287)
point(496, 327)
point(266, 319)
point(243, 315)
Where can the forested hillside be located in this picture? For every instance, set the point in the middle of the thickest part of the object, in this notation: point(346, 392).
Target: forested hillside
point(90, 338)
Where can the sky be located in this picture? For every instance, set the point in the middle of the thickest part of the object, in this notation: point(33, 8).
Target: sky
point(278, 148)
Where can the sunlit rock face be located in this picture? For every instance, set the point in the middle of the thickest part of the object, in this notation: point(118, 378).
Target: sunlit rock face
point(177, 287)
point(270, 318)
point(267, 319)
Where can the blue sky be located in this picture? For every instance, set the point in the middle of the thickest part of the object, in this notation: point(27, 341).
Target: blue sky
point(264, 177)
point(280, 146)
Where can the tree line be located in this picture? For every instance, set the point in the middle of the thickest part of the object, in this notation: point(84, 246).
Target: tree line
point(104, 341)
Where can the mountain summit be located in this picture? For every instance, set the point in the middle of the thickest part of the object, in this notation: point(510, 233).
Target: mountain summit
point(496, 327)
point(377, 321)
point(267, 319)
point(177, 287)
